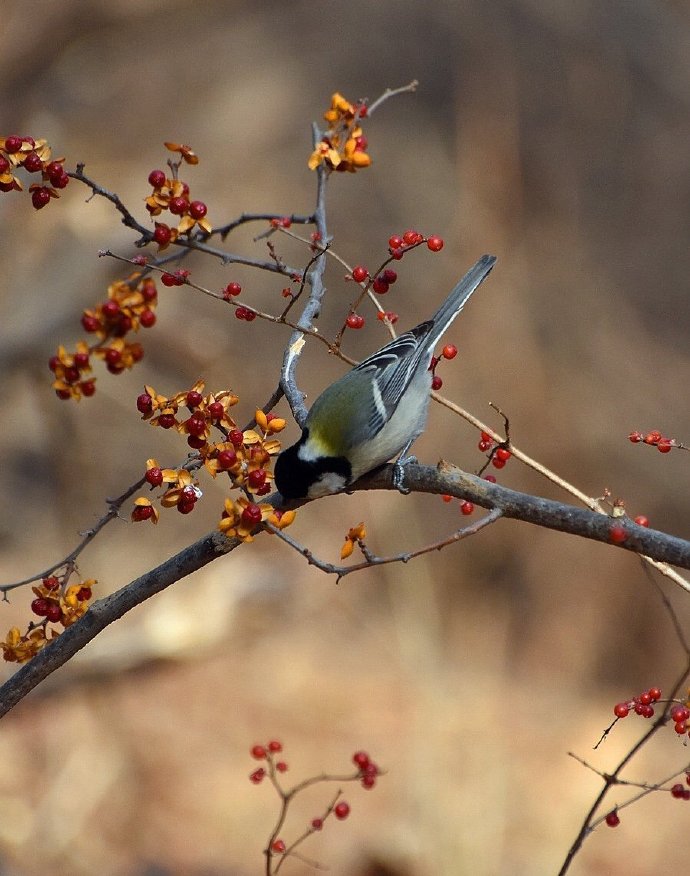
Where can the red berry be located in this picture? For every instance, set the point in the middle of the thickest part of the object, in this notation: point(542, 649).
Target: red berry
point(81, 360)
point(196, 425)
point(361, 759)
point(13, 143)
point(397, 254)
point(196, 442)
point(110, 309)
point(368, 782)
point(168, 279)
point(88, 387)
point(154, 476)
point(162, 233)
point(316, 823)
point(157, 178)
point(621, 710)
point(84, 594)
point(466, 508)
point(186, 506)
point(435, 244)
point(355, 321)
point(227, 458)
point(612, 819)
point(342, 810)
point(278, 846)
point(679, 714)
point(503, 453)
point(215, 410)
point(50, 583)
point(90, 323)
point(450, 351)
point(257, 775)
point(251, 515)
point(436, 382)
point(178, 205)
point(635, 437)
point(484, 445)
point(652, 437)
point(389, 276)
point(112, 356)
point(395, 242)
point(197, 209)
point(256, 479)
point(231, 289)
point(680, 728)
point(193, 399)
point(359, 274)
point(4, 164)
point(655, 694)
point(54, 612)
point(166, 421)
point(281, 766)
point(147, 318)
point(664, 446)
point(236, 437)
point(380, 286)
point(258, 752)
point(490, 478)
point(678, 791)
point(144, 403)
point(641, 520)
point(148, 291)
point(40, 197)
point(617, 534)
point(32, 162)
point(410, 237)
point(142, 512)
point(40, 606)
point(275, 746)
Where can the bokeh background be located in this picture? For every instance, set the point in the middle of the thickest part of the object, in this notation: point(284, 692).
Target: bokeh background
point(554, 134)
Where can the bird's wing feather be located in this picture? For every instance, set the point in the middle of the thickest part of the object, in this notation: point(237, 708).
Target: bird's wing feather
point(393, 366)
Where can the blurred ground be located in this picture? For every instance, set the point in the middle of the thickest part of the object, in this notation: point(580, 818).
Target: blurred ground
point(552, 134)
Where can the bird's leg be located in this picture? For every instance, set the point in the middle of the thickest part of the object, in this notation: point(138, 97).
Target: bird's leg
point(399, 468)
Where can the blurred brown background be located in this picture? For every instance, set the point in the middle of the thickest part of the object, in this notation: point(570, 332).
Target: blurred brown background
point(554, 134)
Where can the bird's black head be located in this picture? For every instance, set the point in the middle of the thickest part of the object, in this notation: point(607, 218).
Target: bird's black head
point(297, 477)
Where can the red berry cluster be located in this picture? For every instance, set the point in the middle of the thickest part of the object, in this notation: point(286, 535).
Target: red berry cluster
point(281, 222)
point(680, 792)
point(368, 770)
point(641, 705)
point(366, 774)
point(244, 456)
point(499, 455)
point(383, 281)
point(173, 195)
point(178, 278)
point(35, 157)
point(245, 313)
point(398, 245)
point(131, 305)
point(450, 351)
point(655, 439)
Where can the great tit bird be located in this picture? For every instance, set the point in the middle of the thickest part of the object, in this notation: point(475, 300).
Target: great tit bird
point(375, 411)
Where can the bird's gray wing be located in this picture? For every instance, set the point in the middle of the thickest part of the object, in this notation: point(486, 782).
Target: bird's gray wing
point(392, 368)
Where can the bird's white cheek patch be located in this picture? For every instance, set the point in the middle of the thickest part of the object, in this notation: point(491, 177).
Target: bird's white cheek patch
point(328, 483)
